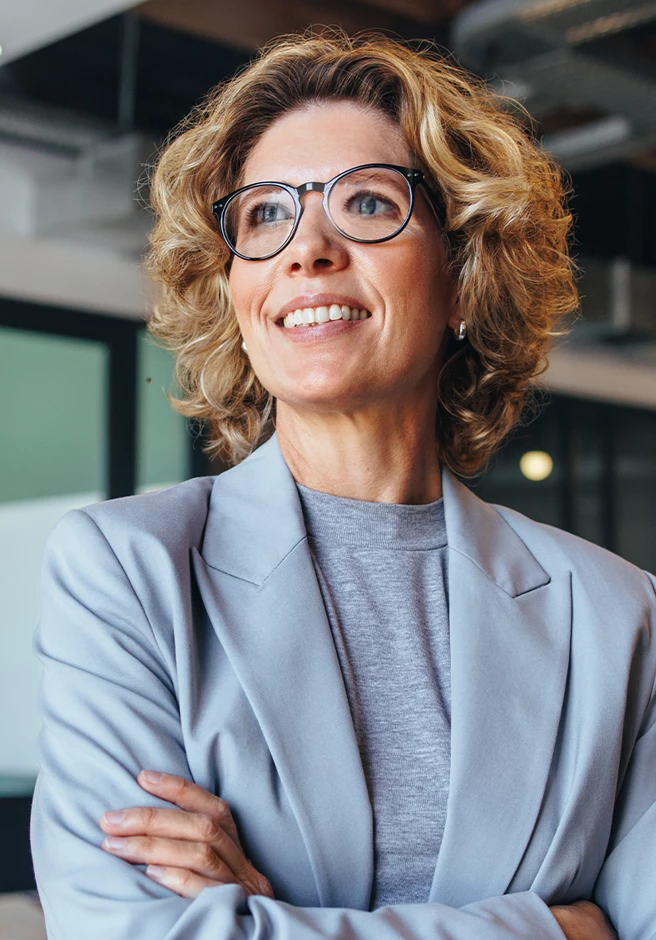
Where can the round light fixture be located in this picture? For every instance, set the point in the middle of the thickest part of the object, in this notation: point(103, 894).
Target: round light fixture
point(536, 465)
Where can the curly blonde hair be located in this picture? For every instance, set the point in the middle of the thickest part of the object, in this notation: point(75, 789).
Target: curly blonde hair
point(506, 233)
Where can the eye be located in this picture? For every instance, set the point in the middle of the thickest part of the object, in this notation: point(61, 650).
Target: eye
point(266, 213)
point(367, 203)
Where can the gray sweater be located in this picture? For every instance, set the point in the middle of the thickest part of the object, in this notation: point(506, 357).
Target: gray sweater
point(382, 570)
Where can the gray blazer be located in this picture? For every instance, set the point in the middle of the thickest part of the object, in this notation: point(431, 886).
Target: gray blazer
point(184, 631)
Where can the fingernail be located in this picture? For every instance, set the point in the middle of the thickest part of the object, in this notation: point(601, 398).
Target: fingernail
point(114, 843)
point(115, 817)
point(151, 776)
point(158, 872)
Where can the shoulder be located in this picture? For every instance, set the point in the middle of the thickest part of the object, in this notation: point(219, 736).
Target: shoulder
point(173, 519)
point(590, 565)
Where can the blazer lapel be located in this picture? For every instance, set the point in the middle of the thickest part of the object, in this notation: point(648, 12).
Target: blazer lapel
point(510, 629)
point(257, 582)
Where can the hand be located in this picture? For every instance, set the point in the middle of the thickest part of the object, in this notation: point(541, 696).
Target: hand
point(186, 849)
point(583, 921)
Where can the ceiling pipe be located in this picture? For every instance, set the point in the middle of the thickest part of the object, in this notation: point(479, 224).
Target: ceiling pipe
point(542, 52)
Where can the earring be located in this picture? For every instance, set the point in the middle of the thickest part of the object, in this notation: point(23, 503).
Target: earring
point(461, 332)
point(243, 346)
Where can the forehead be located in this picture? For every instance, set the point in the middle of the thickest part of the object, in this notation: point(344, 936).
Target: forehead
point(321, 140)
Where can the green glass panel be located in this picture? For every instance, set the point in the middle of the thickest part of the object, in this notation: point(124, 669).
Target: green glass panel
point(52, 424)
point(52, 459)
point(16, 785)
point(163, 443)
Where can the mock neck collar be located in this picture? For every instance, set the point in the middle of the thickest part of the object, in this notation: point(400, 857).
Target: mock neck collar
point(358, 523)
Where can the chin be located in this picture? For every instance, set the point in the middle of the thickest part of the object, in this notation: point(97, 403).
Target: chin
point(326, 396)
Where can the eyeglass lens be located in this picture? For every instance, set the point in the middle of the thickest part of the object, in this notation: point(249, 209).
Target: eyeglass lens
point(366, 205)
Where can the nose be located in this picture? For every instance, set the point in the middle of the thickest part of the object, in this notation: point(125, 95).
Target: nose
point(317, 245)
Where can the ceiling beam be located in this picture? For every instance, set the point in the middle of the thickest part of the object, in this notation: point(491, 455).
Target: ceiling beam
point(37, 23)
point(601, 375)
point(77, 275)
point(429, 12)
point(249, 24)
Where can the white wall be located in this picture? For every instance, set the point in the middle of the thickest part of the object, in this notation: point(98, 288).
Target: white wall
point(24, 529)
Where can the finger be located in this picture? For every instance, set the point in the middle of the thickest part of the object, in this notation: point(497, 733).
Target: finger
point(187, 884)
point(193, 856)
point(159, 822)
point(178, 790)
point(188, 796)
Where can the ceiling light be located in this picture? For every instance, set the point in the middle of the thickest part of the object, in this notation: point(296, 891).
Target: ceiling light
point(536, 465)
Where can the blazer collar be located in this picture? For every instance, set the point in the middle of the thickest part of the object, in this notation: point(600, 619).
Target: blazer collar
point(255, 520)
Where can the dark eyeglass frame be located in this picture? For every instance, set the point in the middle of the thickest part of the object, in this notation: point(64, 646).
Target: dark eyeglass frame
point(412, 176)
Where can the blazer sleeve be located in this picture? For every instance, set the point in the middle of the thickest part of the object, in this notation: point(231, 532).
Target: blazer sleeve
point(109, 709)
point(626, 887)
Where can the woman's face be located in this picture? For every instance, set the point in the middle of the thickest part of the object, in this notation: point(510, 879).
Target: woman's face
point(342, 366)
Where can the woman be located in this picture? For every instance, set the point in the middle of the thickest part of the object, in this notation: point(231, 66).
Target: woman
point(381, 707)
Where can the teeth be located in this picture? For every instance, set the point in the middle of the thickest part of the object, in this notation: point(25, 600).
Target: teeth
point(311, 316)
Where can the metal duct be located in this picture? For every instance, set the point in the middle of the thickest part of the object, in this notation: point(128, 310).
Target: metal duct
point(61, 174)
point(545, 53)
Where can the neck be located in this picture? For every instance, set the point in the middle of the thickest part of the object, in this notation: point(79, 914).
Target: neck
point(378, 455)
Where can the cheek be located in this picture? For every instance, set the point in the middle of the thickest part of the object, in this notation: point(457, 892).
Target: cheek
point(416, 290)
point(250, 284)
point(410, 267)
point(239, 288)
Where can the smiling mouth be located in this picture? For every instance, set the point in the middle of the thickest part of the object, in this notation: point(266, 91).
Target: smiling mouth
point(313, 316)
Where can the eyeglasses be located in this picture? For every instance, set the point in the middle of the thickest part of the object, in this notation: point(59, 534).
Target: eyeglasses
point(370, 203)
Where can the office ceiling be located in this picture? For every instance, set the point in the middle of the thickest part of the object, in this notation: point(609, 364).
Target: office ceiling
point(81, 113)
point(185, 46)
point(251, 23)
point(165, 54)
point(36, 23)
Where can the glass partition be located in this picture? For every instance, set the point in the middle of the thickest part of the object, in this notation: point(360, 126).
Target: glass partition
point(53, 433)
point(602, 485)
point(162, 440)
point(636, 487)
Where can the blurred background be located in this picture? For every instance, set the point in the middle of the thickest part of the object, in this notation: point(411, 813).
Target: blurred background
point(88, 91)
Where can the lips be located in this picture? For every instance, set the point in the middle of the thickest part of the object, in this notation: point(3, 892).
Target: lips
point(319, 333)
